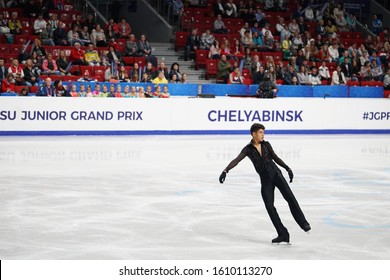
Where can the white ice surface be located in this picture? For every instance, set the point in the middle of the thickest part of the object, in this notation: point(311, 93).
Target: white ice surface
point(158, 197)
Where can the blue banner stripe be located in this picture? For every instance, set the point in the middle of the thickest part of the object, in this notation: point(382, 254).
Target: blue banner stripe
point(186, 132)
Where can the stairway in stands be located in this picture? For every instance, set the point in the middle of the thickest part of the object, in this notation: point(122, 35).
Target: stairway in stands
point(166, 52)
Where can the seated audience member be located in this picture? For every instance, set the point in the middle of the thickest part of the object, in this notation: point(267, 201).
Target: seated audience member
point(219, 26)
point(18, 72)
point(59, 89)
point(86, 77)
point(323, 71)
point(223, 67)
point(338, 77)
point(77, 56)
point(98, 37)
point(160, 79)
point(73, 36)
point(231, 9)
point(206, 40)
point(60, 35)
point(386, 80)
point(46, 88)
point(192, 44)
point(131, 46)
point(215, 51)
point(111, 73)
point(314, 78)
point(175, 70)
point(124, 29)
point(123, 76)
point(377, 72)
point(8, 84)
point(38, 48)
point(184, 78)
point(49, 66)
point(144, 47)
point(303, 77)
point(47, 35)
point(31, 75)
point(91, 56)
point(135, 73)
point(114, 56)
point(14, 24)
point(289, 75)
point(39, 24)
point(63, 63)
point(235, 77)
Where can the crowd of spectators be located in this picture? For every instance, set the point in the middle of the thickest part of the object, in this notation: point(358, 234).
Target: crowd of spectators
point(309, 35)
point(81, 41)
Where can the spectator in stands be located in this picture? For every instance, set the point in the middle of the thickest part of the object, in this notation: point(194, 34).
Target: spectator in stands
point(364, 57)
point(59, 4)
point(235, 77)
point(37, 62)
point(193, 43)
point(145, 78)
point(3, 69)
point(53, 21)
point(257, 41)
point(49, 66)
point(231, 9)
point(280, 26)
point(218, 8)
point(124, 29)
point(223, 67)
point(175, 70)
point(46, 88)
point(39, 24)
point(219, 26)
point(59, 89)
point(86, 77)
point(92, 56)
point(351, 21)
point(38, 48)
point(215, 51)
point(144, 47)
point(311, 51)
point(174, 79)
point(47, 35)
point(104, 60)
point(84, 36)
point(321, 29)
point(73, 36)
point(246, 40)
point(375, 57)
point(160, 79)
point(309, 13)
point(110, 34)
point(184, 78)
point(376, 70)
point(341, 23)
point(344, 57)
point(135, 73)
point(246, 60)
point(376, 25)
point(111, 74)
point(254, 66)
point(245, 28)
point(79, 21)
point(258, 76)
point(162, 68)
point(178, 8)
point(334, 52)
point(114, 56)
point(260, 17)
point(289, 75)
point(303, 77)
point(338, 77)
point(60, 35)
point(18, 72)
point(30, 9)
point(293, 26)
point(355, 70)
point(386, 80)
point(302, 25)
point(149, 71)
point(98, 37)
point(90, 22)
point(77, 56)
point(268, 41)
point(8, 84)
point(62, 63)
point(314, 78)
point(272, 74)
point(296, 41)
point(346, 68)
point(131, 46)
point(206, 40)
point(123, 76)
point(323, 71)
point(114, 27)
point(14, 24)
point(331, 29)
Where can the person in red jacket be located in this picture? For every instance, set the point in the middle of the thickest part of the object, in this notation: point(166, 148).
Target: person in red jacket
point(77, 56)
point(8, 84)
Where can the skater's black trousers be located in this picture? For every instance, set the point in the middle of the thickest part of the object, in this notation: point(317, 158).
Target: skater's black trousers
point(268, 193)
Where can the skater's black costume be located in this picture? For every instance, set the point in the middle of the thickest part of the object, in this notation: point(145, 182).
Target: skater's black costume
point(271, 176)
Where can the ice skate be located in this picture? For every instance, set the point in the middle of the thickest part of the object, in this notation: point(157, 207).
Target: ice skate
point(282, 238)
point(306, 227)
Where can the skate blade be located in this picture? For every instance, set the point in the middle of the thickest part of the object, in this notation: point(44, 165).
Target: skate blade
point(282, 243)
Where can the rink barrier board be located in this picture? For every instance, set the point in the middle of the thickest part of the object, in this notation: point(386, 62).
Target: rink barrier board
point(195, 116)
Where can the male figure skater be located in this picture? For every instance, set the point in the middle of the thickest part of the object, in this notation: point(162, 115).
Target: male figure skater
point(263, 157)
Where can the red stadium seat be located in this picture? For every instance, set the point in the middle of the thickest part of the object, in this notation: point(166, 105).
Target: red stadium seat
point(201, 56)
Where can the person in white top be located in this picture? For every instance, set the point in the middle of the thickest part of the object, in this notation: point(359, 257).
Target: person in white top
point(334, 52)
point(39, 24)
point(323, 71)
point(338, 77)
point(231, 9)
point(314, 78)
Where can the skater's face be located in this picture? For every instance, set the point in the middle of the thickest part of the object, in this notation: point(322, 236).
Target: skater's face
point(258, 136)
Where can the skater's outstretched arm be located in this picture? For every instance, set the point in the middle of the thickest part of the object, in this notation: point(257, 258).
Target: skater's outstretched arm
point(231, 165)
point(280, 162)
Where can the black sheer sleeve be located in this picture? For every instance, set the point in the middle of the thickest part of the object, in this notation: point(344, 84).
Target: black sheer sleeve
point(276, 158)
point(235, 161)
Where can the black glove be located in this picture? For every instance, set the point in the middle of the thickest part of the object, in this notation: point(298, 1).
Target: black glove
point(291, 175)
point(222, 177)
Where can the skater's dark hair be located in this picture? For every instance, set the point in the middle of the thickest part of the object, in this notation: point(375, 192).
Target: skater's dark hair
point(256, 126)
